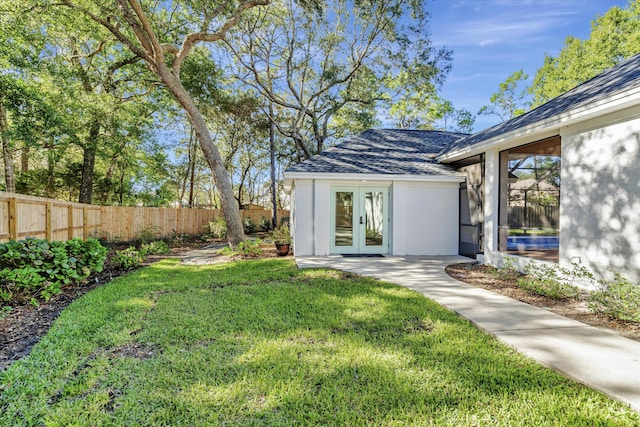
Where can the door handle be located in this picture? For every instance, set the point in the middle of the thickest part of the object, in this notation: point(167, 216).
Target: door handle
point(360, 220)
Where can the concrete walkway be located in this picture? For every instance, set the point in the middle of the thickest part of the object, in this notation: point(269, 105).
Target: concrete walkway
point(602, 360)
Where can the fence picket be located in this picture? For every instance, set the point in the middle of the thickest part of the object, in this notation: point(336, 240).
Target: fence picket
point(61, 220)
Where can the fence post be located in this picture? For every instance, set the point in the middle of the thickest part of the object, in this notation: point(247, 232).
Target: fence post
point(101, 230)
point(69, 222)
point(13, 219)
point(85, 223)
point(49, 222)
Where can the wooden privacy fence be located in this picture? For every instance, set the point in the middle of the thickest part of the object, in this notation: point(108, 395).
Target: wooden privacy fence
point(28, 216)
point(534, 216)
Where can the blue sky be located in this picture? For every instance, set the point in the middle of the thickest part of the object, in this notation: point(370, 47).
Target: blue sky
point(491, 39)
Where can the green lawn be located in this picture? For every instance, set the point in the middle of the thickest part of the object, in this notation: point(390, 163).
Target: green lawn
point(262, 343)
point(532, 232)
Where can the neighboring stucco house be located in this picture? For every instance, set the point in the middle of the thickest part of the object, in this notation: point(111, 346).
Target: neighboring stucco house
point(403, 192)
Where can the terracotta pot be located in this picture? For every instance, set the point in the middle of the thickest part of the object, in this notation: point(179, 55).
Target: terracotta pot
point(282, 249)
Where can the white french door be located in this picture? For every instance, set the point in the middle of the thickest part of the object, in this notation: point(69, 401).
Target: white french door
point(359, 220)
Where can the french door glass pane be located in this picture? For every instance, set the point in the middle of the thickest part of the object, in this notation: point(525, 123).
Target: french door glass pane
point(344, 218)
point(374, 214)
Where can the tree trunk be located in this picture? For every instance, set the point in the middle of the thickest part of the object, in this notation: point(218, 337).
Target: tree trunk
point(193, 153)
point(88, 164)
point(122, 187)
point(9, 177)
point(272, 160)
point(192, 182)
point(24, 158)
point(183, 188)
point(235, 232)
point(51, 170)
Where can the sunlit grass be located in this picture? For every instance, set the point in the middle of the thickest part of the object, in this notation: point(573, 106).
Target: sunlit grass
point(532, 232)
point(262, 343)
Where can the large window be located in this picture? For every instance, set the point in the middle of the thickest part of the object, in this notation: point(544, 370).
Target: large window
point(530, 200)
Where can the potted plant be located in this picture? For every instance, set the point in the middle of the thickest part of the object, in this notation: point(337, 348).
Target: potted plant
point(282, 239)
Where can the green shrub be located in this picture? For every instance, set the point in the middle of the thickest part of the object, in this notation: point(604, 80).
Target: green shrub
point(547, 287)
point(159, 247)
point(248, 248)
point(179, 239)
point(104, 237)
point(23, 284)
point(549, 281)
point(619, 299)
point(508, 271)
point(148, 234)
point(4, 311)
point(33, 269)
point(264, 224)
point(218, 228)
point(249, 225)
point(281, 235)
point(89, 255)
point(128, 258)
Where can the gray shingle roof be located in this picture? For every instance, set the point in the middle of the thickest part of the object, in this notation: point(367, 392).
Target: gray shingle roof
point(385, 152)
point(622, 77)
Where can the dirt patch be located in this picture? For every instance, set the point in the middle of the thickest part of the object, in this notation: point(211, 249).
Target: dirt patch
point(482, 276)
point(209, 255)
point(135, 350)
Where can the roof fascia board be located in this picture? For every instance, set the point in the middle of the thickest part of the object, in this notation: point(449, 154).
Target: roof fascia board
point(373, 177)
point(609, 105)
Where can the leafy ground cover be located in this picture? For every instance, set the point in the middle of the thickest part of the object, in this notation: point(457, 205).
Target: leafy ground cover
point(263, 343)
point(492, 279)
point(22, 326)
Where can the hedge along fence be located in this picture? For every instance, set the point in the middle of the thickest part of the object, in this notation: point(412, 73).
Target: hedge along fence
point(23, 216)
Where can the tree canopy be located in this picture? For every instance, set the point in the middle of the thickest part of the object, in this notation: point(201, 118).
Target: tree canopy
point(131, 101)
point(614, 37)
point(508, 102)
point(349, 60)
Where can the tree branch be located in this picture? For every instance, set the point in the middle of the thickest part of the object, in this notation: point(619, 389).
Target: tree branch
point(155, 47)
point(194, 38)
point(113, 29)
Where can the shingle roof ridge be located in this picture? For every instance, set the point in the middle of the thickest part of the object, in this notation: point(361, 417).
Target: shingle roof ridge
point(382, 151)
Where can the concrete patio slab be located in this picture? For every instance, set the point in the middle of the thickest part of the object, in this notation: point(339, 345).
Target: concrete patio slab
point(600, 359)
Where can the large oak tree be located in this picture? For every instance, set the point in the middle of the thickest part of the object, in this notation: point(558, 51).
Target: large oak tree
point(355, 56)
point(163, 34)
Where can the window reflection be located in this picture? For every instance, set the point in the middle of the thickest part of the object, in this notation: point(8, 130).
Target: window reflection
point(374, 218)
point(344, 219)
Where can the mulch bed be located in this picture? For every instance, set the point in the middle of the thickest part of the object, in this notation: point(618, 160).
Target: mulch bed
point(574, 308)
point(24, 325)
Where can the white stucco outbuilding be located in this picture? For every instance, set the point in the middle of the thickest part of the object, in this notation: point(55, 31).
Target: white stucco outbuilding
point(378, 192)
point(438, 193)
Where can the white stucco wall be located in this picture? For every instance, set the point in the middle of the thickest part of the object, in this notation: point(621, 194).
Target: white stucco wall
point(424, 218)
point(302, 217)
point(491, 203)
point(600, 201)
point(322, 212)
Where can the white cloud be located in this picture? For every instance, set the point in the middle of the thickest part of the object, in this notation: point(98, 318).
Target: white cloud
point(486, 42)
point(503, 21)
